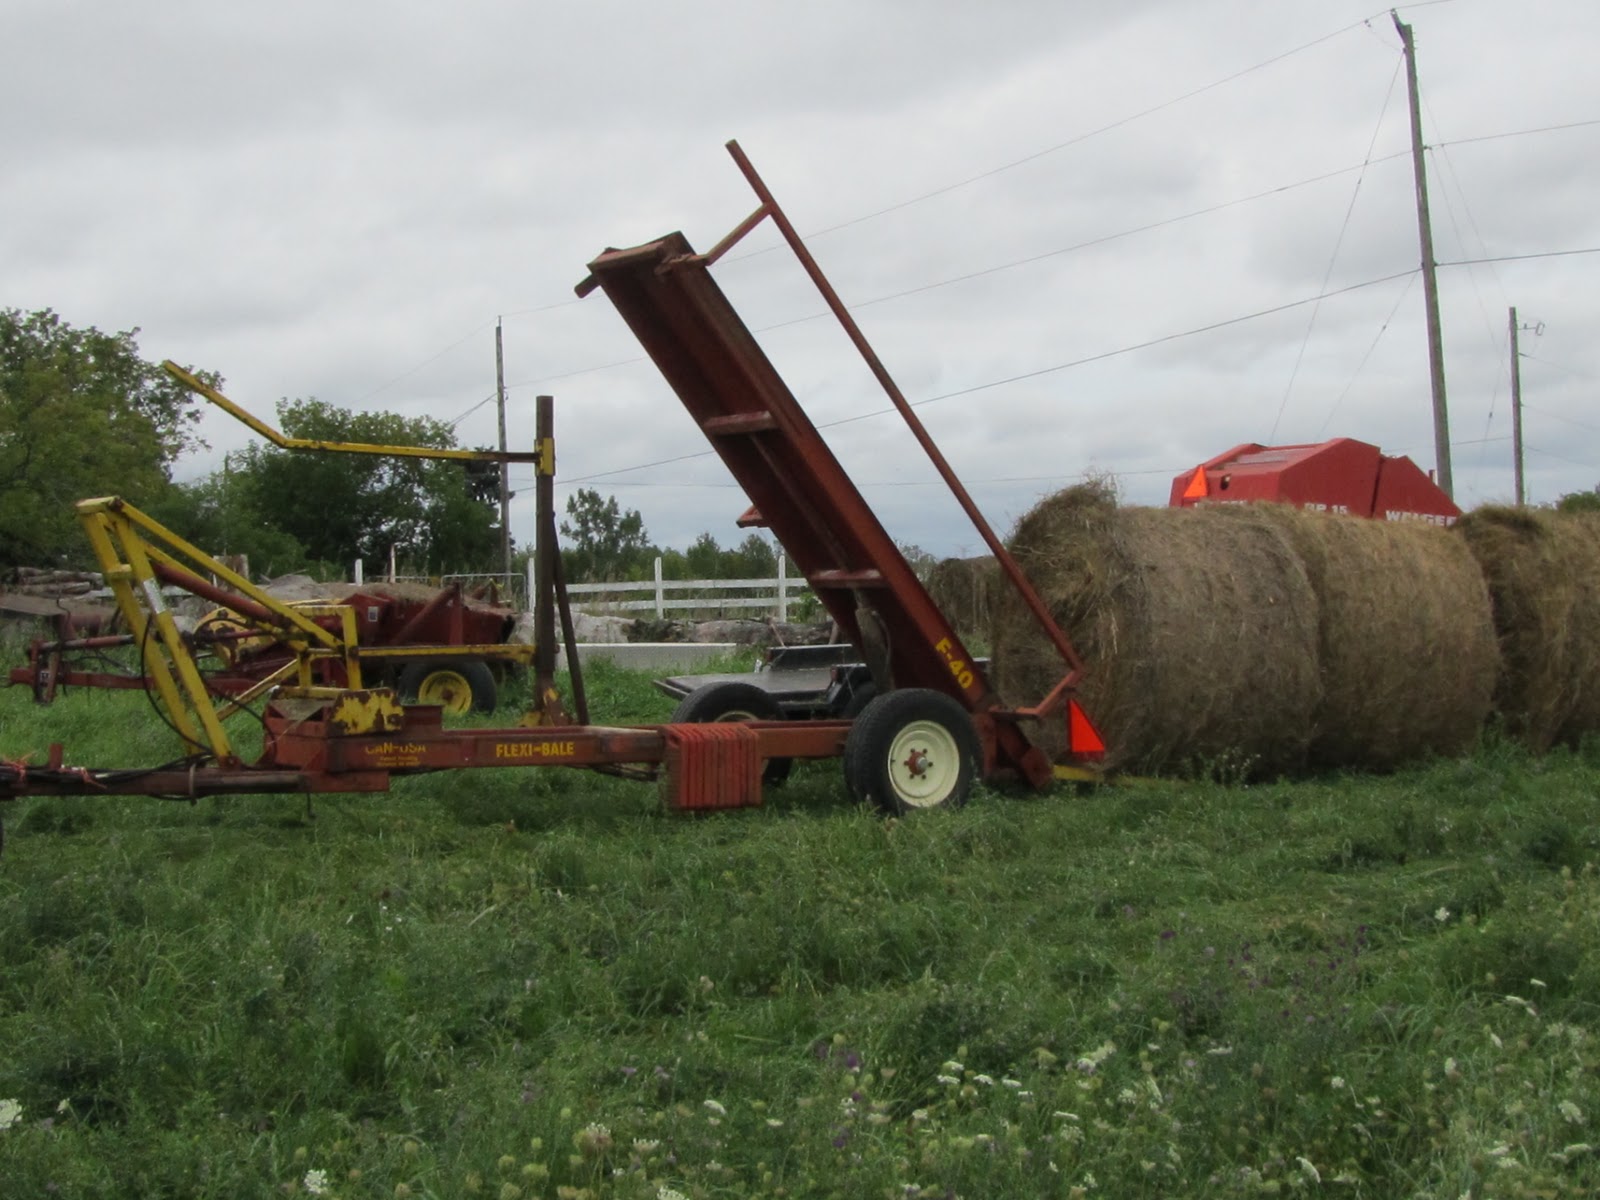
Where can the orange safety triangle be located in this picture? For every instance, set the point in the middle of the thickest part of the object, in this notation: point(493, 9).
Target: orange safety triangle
point(1197, 486)
point(1082, 736)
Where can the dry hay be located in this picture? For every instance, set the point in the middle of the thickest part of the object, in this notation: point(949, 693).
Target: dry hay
point(1198, 629)
point(963, 588)
point(1543, 573)
point(1406, 643)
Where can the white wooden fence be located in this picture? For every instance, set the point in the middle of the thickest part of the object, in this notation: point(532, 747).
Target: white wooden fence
point(662, 596)
point(659, 596)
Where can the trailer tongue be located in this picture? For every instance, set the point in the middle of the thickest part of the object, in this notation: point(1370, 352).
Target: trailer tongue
point(934, 726)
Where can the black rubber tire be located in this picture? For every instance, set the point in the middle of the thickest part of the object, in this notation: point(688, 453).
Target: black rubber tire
point(859, 699)
point(912, 722)
point(727, 701)
point(418, 679)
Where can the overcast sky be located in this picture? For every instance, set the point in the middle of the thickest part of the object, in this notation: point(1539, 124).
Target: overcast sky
point(338, 200)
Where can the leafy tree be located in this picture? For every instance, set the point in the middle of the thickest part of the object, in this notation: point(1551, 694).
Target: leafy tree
point(1580, 502)
point(81, 414)
point(605, 544)
point(346, 506)
point(217, 513)
point(752, 558)
point(703, 558)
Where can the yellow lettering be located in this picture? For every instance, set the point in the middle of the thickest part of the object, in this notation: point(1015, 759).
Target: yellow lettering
point(535, 749)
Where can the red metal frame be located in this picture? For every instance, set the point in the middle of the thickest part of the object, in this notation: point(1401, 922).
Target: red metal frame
point(665, 293)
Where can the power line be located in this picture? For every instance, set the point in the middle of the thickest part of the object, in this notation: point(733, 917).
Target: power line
point(1338, 244)
point(425, 362)
point(1500, 258)
point(1034, 374)
point(1076, 140)
point(1006, 266)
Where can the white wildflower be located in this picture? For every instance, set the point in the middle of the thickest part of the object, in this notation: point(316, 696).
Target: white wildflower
point(1571, 1112)
point(1309, 1170)
point(645, 1145)
point(1442, 914)
point(1013, 1084)
point(1220, 1051)
point(1337, 1082)
point(947, 1080)
point(715, 1107)
point(774, 1123)
point(10, 1113)
point(315, 1182)
point(952, 1068)
point(666, 1193)
point(986, 1080)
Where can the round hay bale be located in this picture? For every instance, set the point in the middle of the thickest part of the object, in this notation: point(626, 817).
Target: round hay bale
point(1406, 642)
point(1543, 574)
point(962, 588)
point(1198, 630)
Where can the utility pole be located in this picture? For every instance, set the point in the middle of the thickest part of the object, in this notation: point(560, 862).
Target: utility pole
point(505, 467)
point(1430, 280)
point(1516, 408)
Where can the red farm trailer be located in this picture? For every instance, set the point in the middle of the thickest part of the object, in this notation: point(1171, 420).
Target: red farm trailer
point(932, 728)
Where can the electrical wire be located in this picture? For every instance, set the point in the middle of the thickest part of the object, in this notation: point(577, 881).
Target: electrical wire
point(1338, 244)
point(1072, 141)
point(1034, 374)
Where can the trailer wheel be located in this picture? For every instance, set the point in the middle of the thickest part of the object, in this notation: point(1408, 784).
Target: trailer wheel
point(458, 686)
point(910, 750)
point(734, 702)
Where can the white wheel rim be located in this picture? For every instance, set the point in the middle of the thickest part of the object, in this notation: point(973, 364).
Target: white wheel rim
point(924, 764)
point(736, 715)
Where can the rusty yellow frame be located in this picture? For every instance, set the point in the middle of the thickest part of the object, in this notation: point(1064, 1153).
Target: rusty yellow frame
point(201, 388)
point(129, 544)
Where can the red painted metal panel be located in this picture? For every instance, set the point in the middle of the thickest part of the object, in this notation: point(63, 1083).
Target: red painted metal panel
point(1406, 493)
point(758, 428)
point(717, 765)
point(1341, 476)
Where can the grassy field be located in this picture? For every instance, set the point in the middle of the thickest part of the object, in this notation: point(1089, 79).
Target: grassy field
point(534, 983)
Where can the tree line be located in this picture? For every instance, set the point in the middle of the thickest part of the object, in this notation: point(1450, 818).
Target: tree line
point(84, 414)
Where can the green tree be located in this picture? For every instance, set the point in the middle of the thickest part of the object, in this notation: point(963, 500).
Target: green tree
point(606, 544)
point(752, 558)
point(1580, 502)
point(703, 558)
point(217, 513)
point(81, 414)
point(341, 507)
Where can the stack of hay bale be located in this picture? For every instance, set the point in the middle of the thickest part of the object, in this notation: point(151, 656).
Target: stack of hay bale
point(1254, 639)
point(1543, 573)
point(963, 589)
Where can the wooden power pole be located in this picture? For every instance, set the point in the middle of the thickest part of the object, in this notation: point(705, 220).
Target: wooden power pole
point(1430, 280)
point(1516, 410)
point(505, 467)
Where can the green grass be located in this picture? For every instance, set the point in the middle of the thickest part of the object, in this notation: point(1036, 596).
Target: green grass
point(527, 983)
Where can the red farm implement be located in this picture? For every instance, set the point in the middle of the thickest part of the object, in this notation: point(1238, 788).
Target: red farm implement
point(932, 728)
